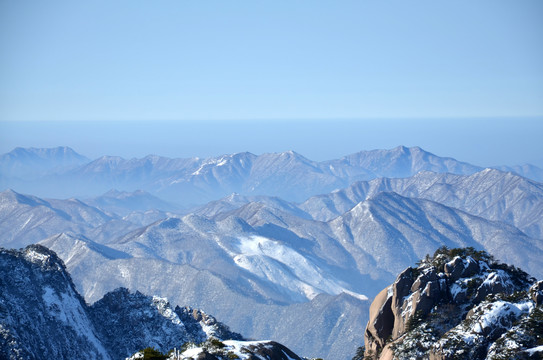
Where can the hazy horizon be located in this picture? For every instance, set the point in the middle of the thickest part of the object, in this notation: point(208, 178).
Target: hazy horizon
point(131, 78)
point(483, 142)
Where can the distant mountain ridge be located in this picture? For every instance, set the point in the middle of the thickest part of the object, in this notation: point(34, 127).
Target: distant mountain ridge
point(194, 181)
point(36, 162)
point(492, 194)
point(123, 202)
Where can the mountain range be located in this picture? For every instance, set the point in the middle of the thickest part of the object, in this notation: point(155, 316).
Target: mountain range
point(60, 173)
point(286, 248)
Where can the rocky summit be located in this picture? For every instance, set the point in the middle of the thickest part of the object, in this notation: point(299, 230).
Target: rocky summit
point(457, 304)
point(42, 316)
point(214, 349)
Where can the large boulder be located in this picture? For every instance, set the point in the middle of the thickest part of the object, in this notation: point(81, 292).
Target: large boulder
point(453, 291)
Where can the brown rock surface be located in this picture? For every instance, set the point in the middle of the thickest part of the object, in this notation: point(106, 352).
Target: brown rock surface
point(447, 287)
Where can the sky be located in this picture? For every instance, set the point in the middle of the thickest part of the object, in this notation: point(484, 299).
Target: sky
point(184, 78)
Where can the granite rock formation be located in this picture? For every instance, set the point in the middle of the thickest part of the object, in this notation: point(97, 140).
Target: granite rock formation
point(458, 304)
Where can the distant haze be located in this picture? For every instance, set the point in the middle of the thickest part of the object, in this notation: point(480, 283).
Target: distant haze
point(461, 79)
point(142, 60)
point(483, 142)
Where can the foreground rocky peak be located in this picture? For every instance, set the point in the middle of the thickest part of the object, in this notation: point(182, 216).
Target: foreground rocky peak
point(214, 349)
point(130, 321)
point(458, 304)
point(42, 316)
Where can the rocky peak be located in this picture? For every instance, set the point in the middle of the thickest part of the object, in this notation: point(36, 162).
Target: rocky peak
point(215, 349)
point(42, 316)
point(536, 293)
point(429, 309)
point(43, 257)
point(129, 321)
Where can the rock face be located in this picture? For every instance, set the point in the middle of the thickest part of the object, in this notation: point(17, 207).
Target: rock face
point(459, 303)
point(131, 321)
point(42, 316)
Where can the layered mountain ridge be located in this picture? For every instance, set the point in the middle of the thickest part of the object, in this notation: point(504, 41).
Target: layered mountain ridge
point(195, 181)
point(264, 259)
point(299, 273)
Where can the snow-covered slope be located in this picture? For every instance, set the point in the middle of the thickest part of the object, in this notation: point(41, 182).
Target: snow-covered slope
point(26, 219)
point(258, 260)
point(123, 203)
point(491, 194)
point(42, 316)
point(396, 231)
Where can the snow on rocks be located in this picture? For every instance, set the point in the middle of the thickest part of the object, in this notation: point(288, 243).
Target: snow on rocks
point(458, 302)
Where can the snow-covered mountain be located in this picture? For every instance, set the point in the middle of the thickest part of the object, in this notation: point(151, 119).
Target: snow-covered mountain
point(235, 201)
point(258, 261)
point(398, 162)
point(26, 219)
point(43, 317)
point(398, 230)
point(287, 175)
point(491, 194)
point(298, 273)
point(123, 203)
point(29, 163)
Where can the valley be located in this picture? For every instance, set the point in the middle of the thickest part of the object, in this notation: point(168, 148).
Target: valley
point(276, 246)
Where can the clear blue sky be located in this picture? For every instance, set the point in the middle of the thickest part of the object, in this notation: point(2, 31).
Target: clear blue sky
point(74, 61)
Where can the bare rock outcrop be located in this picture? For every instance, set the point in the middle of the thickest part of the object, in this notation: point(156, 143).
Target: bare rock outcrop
point(536, 293)
point(460, 301)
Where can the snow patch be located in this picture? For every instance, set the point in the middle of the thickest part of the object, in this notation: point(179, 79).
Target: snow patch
point(532, 351)
point(356, 295)
point(36, 257)
point(216, 162)
point(164, 308)
point(279, 264)
point(501, 309)
point(67, 308)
